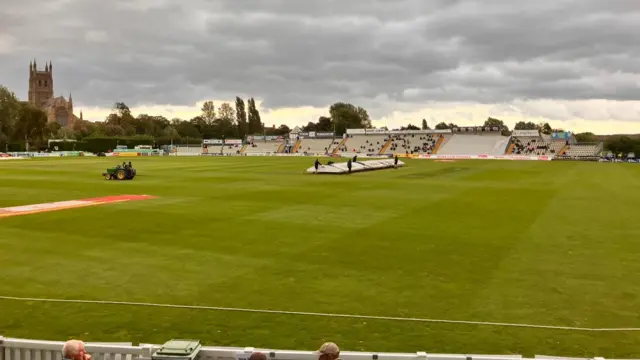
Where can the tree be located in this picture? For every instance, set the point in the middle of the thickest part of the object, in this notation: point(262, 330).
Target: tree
point(586, 137)
point(492, 122)
point(53, 128)
point(65, 133)
point(224, 123)
point(208, 112)
point(84, 128)
point(521, 125)
point(9, 112)
point(283, 130)
point(171, 133)
point(324, 124)
point(31, 125)
point(545, 128)
point(121, 116)
point(241, 118)
point(253, 118)
point(311, 126)
point(114, 130)
point(442, 126)
point(410, 127)
point(425, 126)
point(348, 116)
point(187, 129)
point(226, 112)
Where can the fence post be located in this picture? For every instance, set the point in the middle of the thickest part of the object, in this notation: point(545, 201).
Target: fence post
point(147, 352)
point(1, 347)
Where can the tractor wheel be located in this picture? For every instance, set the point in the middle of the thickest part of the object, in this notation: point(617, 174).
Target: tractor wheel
point(121, 175)
point(107, 177)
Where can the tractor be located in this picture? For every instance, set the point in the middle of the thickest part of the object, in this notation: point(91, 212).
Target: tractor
point(120, 172)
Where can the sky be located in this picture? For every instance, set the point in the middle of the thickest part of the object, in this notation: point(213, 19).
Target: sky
point(572, 63)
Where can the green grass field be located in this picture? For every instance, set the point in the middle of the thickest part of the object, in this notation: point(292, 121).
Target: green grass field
point(521, 242)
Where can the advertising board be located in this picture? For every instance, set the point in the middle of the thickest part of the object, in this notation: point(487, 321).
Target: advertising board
point(526, 133)
point(324, 135)
point(485, 157)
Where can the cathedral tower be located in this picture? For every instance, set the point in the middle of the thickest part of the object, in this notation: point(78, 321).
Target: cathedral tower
point(40, 83)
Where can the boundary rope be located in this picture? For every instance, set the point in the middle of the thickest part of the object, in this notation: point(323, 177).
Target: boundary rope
point(305, 313)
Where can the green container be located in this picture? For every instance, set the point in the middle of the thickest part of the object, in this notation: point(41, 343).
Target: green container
point(178, 350)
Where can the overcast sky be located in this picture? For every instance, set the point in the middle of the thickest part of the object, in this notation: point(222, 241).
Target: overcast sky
point(574, 63)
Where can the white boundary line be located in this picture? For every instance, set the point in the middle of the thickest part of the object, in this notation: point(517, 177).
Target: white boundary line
point(304, 313)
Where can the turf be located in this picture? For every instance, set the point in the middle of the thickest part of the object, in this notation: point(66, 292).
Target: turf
point(522, 242)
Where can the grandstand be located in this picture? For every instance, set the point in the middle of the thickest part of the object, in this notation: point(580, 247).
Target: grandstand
point(383, 142)
point(582, 150)
point(314, 146)
point(470, 144)
point(335, 144)
point(231, 148)
point(366, 144)
point(424, 143)
point(185, 150)
point(529, 145)
point(261, 146)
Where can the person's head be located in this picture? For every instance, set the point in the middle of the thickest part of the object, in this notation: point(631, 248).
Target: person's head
point(258, 356)
point(74, 350)
point(329, 351)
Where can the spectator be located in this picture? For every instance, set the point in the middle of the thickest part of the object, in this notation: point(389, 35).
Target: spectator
point(258, 356)
point(74, 350)
point(329, 351)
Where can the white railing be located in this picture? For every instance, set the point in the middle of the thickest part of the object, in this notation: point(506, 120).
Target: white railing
point(21, 349)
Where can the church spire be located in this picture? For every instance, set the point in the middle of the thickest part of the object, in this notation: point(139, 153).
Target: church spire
point(35, 67)
point(46, 67)
point(50, 66)
point(81, 115)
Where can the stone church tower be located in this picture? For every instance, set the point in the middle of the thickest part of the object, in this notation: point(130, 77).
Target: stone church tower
point(58, 109)
point(40, 84)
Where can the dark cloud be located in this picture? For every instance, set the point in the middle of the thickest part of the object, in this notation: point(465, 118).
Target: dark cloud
point(312, 53)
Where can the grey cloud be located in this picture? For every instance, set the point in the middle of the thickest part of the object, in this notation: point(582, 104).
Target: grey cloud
point(312, 53)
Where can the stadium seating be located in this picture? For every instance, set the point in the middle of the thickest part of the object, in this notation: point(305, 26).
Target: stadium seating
point(475, 144)
point(412, 144)
point(188, 150)
point(315, 146)
point(258, 147)
point(231, 149)
point(223, 149)
point(445, 139)
point(529, 145)
point(213, 149)
point(369, 144)
point(537, 145)
point(579, 150)
point(334, 145)
point(556, 145)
